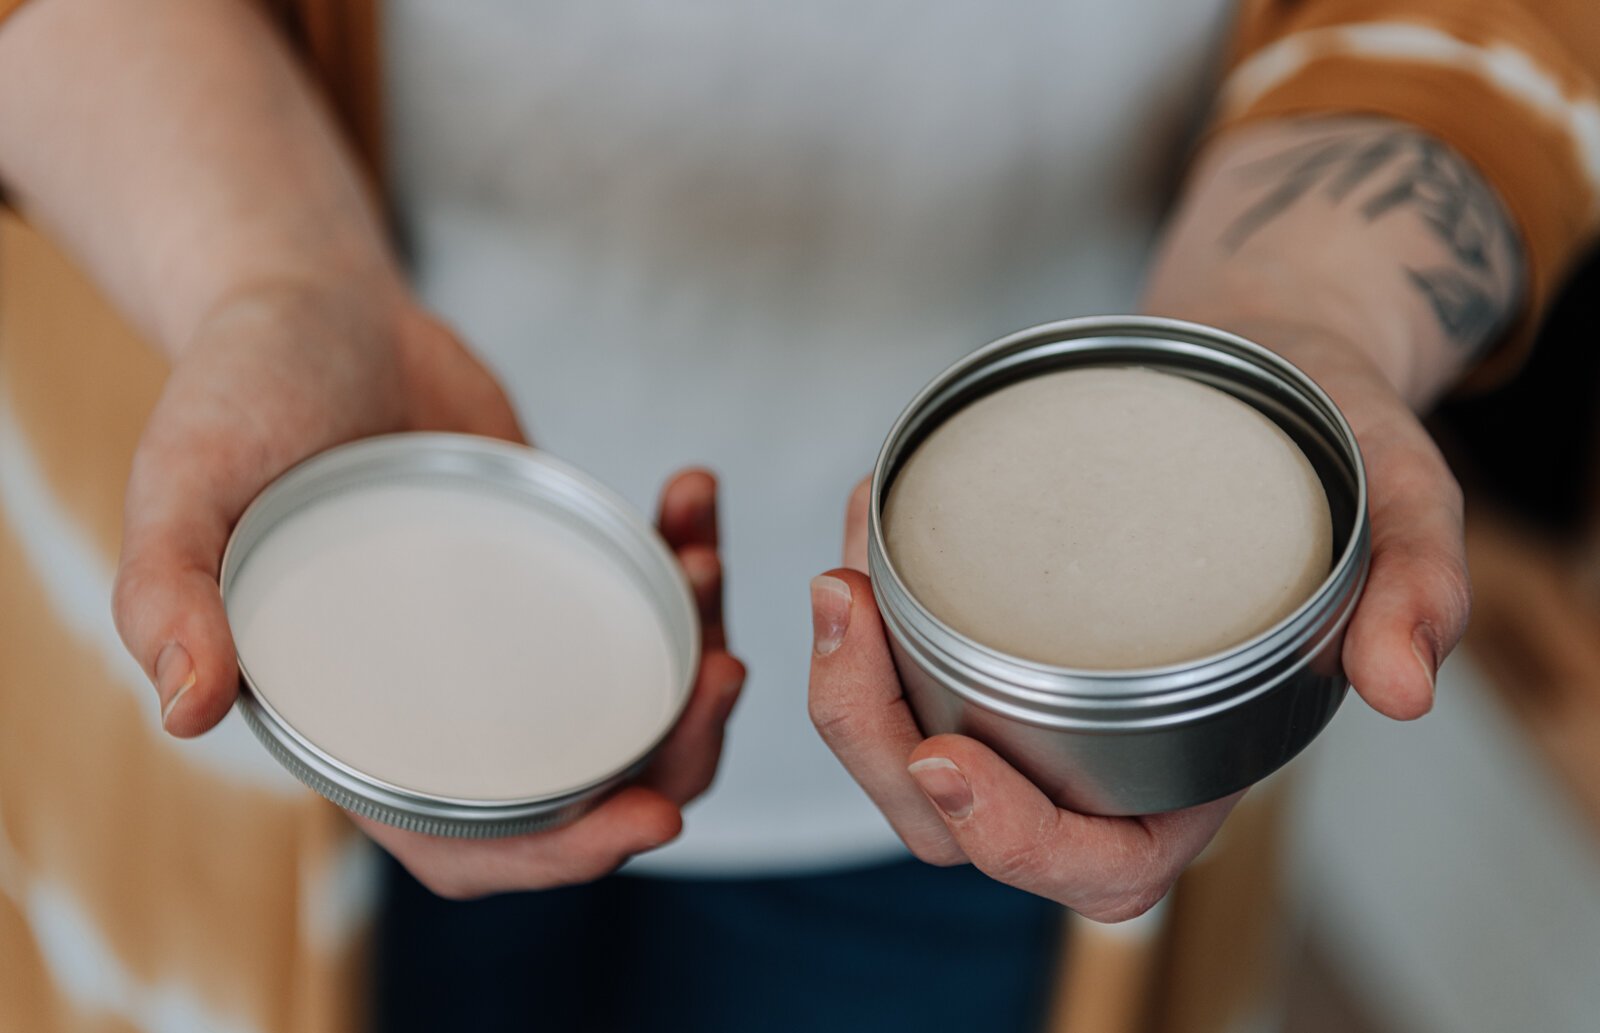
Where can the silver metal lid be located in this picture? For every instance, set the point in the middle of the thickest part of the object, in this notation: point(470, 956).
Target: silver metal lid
point(541, 481)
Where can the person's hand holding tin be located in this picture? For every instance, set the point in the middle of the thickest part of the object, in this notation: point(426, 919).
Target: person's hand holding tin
point(952, 799)
point(278, 375)
point(1379, 263)
point(252, 251)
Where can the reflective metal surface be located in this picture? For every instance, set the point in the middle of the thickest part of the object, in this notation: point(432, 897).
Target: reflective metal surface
point(1154, 739)
point(531, 477)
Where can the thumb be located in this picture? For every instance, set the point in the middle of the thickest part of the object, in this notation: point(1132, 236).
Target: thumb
point(169, 612)
point(166, 603)
point(859, 708)
point(1414, 608)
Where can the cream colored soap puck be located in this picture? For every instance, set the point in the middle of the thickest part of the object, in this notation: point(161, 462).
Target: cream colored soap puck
point(1109, 518)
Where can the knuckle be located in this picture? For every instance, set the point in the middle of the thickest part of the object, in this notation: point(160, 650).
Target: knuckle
point(734, 670)
point(444, 885)
point(1450, 492)
point(1130, 901)
point(1435, 563)
point(699, 786)
point(1020, 862)
point(701, 562)
point(1127, 906)
point(1457, 589)
point(937, 854)
point(590, 869)
point(130, 599)
point(1419, 471)
point(1411, 454)
point(124, 592)
point(1147, 872)
point(693, 783)
point(835, 722)
point(1444, 587)
point(930, 842)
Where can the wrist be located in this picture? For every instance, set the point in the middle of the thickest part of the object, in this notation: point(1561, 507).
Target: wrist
point(360, 313)
point(1312, 326)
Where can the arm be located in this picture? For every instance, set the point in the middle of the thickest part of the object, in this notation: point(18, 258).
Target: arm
point(1367, 228)
point(1373, 256)
point(1377, 260)
point(177, 152)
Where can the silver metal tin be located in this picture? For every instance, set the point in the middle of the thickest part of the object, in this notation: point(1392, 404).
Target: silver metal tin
point(541, 481)
point(1155, 739)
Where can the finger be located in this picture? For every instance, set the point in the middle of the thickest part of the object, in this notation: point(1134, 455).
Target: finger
point(1414, 608)
point(688, 509)
point(703, 567)
point(858, 707)
point(630, 822)
point(688, 522)
point(686, 763)
point(855, 526)
point(170, 615)
point(1107, 869)
point(459, 394)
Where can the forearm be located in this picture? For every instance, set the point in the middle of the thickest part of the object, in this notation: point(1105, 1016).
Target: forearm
point(1357, 229)
point(178, 153)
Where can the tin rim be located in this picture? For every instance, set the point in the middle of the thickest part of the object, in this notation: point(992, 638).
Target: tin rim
point(536, 477)
point(1063, 696)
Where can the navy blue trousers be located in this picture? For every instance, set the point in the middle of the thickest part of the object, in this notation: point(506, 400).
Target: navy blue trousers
point(895, 947)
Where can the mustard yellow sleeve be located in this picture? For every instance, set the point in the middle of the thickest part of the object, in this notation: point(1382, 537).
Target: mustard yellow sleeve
point(1512, 85)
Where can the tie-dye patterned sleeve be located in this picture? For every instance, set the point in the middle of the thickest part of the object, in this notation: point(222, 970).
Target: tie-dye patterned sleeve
point(1513, 85)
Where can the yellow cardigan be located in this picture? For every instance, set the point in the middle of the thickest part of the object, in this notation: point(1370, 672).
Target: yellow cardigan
point(215, 895)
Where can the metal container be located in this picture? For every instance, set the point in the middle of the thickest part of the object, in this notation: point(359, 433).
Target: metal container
point(522, 473)
point(1120, 742)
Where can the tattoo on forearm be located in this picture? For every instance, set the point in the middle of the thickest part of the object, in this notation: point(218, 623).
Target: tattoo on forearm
point(1466, 311)
point(1402, 171)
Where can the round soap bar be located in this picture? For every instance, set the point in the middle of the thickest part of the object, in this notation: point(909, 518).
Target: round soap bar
point(1108, 518)
point(453, 640)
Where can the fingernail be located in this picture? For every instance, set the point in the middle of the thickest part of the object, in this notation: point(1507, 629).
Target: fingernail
point(175, 676)
point(830, 613)
point(945, 785)
point(1426, 652)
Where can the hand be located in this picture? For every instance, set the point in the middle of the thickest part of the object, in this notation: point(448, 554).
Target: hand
point(1414, 608)
point(276, 375)
point(953, 800)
